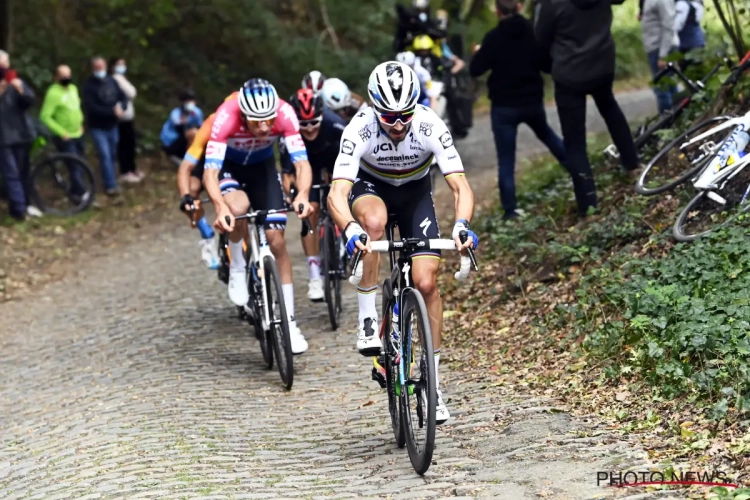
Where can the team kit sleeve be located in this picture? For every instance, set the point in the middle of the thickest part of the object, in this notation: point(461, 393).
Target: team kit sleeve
point(351, 149)
point(226, 122)
point(198, 147)
point(440, 143)
point(289, 127)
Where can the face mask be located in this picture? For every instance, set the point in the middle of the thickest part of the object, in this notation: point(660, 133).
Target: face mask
point(189, 106)
point(65, 82)
point(423, 17)
point(121, 69)
point(100, 73)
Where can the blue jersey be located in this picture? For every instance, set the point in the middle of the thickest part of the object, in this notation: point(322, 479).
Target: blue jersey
point(322, 151)
point(171, 130)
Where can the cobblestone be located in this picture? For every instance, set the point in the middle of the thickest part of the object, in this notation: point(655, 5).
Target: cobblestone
point(134, 379)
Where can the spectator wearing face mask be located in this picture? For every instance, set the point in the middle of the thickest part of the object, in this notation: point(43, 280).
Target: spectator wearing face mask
point(62, 114)
point(17, 132)
point(126, 146)
point(104, 103)
point(179, 130)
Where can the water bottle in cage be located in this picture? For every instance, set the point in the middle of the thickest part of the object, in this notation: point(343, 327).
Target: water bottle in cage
point(394, 323)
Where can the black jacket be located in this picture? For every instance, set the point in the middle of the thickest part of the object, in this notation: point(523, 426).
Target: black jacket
point(576, 33)
point(16, 125)
point(99, 98)
point(409, 26)
point(515, 58)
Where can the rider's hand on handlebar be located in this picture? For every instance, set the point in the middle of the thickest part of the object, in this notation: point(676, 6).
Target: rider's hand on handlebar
point(471, 242)
point(353, 242)
point(187, 203)
point(221, 220)
point(307, 209)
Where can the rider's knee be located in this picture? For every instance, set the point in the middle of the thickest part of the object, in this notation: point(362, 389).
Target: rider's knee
point(276, 241)
point(427, 285)
point(238, 205)
point(374, 225)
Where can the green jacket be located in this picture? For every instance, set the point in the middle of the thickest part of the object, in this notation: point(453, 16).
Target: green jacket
point(61, 111)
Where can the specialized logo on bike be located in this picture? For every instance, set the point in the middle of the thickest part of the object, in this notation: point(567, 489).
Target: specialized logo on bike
point(425, 129)
point(446, 140)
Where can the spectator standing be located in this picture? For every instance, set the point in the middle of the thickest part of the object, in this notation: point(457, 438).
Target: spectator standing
point(126, 146)
point(183, 123)
point(688, 16)
point(17, 132)
point(658, 20)
point(62, 114)
point(104, 103)
point(516, 90)
point(576, 34)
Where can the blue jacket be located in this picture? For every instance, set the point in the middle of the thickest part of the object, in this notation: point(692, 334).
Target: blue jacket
point(173, 128)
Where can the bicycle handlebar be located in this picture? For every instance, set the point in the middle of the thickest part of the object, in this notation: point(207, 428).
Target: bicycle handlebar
point(467, 261)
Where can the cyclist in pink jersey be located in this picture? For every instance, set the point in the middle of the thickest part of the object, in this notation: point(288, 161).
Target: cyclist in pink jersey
point(240, 172)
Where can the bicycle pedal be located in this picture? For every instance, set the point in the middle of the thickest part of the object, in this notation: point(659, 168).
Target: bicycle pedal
point(378, 377)
point(611, 151)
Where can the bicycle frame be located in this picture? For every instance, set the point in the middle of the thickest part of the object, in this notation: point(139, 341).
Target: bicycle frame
point(716, 169)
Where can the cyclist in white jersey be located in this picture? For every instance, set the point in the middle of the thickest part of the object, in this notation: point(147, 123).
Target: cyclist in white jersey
point(382, 168)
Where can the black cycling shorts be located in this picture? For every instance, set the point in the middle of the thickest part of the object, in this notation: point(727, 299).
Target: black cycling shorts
point(409, 205)
point(262, 184)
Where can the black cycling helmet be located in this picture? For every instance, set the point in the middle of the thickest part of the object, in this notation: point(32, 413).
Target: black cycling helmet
point(306, 104)
point(187, 95)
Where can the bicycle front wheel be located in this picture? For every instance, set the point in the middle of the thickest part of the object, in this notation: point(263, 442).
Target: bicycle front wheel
point(62, 184)
point(390, 365)
point(331, 274)
point(419, 397)
point(278, 322)
point(680, 159)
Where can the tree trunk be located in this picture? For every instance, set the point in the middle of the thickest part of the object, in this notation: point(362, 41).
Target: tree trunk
point(736, 41)
point(475, 9)
point(5, 25)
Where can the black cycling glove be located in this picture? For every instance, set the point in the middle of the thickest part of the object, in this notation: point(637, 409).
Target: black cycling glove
point(186, 199)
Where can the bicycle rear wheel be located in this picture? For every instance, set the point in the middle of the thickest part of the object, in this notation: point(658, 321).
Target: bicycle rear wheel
point(678, 162)
point(419, 398)
point(392, 384)
point(61, 184)
point(279, 322)
point(331, 274)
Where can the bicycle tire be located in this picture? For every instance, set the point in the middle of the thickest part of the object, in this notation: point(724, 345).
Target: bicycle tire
point(223, 271)
point(413, 302)
point(257, 301)
point(677, 229)
point(660, 122)
point(640, 185)
point(70, 161)
point(395, 407)
point(279, 327)
point(331, 279)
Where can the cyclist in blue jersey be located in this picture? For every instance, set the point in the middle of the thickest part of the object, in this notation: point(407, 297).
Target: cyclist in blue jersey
point(321, 131)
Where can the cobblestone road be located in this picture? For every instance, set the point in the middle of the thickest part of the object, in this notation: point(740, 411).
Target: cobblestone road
point(134, 379)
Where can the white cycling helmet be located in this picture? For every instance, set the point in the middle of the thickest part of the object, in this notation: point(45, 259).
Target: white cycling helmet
point(314, 81)
point(258, 99)
point(421, 4)
point(393, 87)
point(407, 58)
point(336, 94)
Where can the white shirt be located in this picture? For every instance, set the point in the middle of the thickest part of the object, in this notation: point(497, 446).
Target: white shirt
point(365, 145)
point(425, 79)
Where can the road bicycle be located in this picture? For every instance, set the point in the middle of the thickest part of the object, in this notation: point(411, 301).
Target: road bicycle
point(58, 183)
point(646, 134)
point(408, 356)
point(686, 155)
point(334, 257)
point(722, 180)
point(265, 309)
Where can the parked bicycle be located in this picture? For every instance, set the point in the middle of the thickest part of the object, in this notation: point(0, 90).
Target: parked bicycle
point(646, 134)
point(687, 154)
point(723, 182)
point(266, 309)
point(407, 356)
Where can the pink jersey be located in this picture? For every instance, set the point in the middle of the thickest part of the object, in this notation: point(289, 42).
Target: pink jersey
point(230, 139)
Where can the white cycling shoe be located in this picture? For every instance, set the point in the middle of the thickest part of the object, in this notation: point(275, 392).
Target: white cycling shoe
point(441, 411)
point(237, 288)
point(315, 290)
point(210, 253)
point(299, 344)
point(368, 338)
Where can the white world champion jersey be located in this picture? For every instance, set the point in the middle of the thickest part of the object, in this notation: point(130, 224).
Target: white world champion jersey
point(364, 144)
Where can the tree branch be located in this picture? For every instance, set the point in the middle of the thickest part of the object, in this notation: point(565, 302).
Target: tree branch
point(728, 29)
point(329, 26)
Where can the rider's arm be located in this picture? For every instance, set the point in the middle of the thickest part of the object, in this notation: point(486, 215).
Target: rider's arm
point(295, 148)
point(183, 177)
point(225, 123)
point(345, 172)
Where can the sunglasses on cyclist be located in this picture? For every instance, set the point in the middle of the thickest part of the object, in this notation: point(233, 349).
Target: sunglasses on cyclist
point(393, 118)
point(311, 123)
point(258, 123)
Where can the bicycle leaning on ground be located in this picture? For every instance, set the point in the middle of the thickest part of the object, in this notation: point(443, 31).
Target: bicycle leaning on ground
point(265, 309)
point(412, 391)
